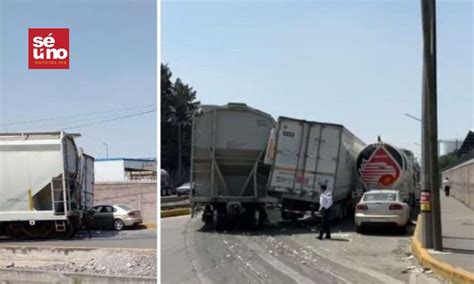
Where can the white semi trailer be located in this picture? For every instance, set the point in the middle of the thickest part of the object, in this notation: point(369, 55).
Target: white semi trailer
point(46, 184)
point(305, 155)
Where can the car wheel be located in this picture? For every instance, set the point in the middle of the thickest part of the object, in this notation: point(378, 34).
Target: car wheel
point(118, 225)
point(359, 229)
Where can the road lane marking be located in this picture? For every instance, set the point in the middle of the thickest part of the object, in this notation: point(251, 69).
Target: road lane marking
point(278, 265)
point(350, 265)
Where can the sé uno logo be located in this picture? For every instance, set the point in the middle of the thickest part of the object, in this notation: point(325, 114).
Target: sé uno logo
point(48, 48)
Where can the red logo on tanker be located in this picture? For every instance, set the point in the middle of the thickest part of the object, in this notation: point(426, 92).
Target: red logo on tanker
point(380, 170)
point(48, 48)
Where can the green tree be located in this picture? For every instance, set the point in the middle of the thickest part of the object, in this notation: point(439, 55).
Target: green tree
point(447, 160)
point(178, 105)
point(166, 92)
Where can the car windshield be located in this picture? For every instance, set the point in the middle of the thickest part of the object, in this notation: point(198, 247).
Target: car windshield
point(380, 196)
point(124, 207)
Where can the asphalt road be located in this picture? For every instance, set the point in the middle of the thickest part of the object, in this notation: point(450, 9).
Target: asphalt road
point(284, 253)
point(139, 238)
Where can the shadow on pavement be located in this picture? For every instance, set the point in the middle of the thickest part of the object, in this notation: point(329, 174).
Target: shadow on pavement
point(310, 225)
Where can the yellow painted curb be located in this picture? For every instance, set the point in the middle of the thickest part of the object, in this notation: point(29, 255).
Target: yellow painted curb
point(175, 212)
point(445, 270)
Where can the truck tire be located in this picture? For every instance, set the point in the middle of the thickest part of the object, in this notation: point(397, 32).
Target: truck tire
point(207, 216)
point(262, 217)
point(285, 215)
point(217, 219)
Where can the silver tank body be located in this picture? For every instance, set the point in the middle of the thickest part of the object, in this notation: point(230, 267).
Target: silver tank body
point(229, 144)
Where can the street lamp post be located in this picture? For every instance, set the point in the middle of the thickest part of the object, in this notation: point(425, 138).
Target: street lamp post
point(412, 117)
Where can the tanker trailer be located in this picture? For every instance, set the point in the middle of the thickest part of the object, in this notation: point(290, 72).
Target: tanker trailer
point(40, 185)
point(228, 176)
point(383, 166)
point(305, 155)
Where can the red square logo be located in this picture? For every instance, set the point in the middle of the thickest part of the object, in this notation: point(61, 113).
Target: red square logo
point(48, 48)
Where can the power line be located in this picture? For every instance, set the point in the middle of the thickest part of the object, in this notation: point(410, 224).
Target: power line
point(66, 123)
point(108, 120)
point(74, 116)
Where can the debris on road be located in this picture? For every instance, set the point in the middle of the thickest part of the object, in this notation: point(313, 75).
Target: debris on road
point(117, 262)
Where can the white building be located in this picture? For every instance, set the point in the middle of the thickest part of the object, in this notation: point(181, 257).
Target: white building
point(123, 169)
point(446, 146)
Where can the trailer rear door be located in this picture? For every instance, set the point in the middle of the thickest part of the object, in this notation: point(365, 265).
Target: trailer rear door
point(305, 156)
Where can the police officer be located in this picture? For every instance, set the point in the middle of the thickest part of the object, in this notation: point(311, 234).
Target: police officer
point(325, 204)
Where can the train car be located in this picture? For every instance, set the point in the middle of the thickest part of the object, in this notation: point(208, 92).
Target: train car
point(228, 176)
point(45, 183)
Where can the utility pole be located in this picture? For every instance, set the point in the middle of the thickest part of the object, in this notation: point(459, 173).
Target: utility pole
point(430, 203)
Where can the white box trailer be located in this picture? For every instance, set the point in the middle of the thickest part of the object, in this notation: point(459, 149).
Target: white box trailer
point(228, 176)
point(43, 193)
point(306, 155)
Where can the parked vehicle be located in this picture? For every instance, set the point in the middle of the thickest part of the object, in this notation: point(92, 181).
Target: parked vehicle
point(116, 217)
point(305, 155)
point(184, 189)
point(383, 166)
point(227, 170)
point(382, 207)
point(46, 184)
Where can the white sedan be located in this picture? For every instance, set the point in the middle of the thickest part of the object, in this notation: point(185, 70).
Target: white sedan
point(382, 207)
point(116, 216)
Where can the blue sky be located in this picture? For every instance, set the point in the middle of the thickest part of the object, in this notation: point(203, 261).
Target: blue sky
point(358, 63)
point(112, 66)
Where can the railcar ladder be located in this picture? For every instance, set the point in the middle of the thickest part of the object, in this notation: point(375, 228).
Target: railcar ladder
point(59, 200)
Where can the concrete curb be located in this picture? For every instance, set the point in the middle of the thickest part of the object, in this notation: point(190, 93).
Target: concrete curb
point(39, 276)
point(443, 269)
point(175, 212)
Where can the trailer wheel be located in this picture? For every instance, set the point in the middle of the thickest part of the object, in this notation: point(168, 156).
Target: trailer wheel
point(70, 232)
point(250, 217)
point(217, 219)
point(15, 231)
point(261, 217)
point(207, 215)
point(41, 230)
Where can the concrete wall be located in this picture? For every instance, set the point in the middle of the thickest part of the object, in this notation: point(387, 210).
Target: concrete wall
point(462, 182)
point(141, 195)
